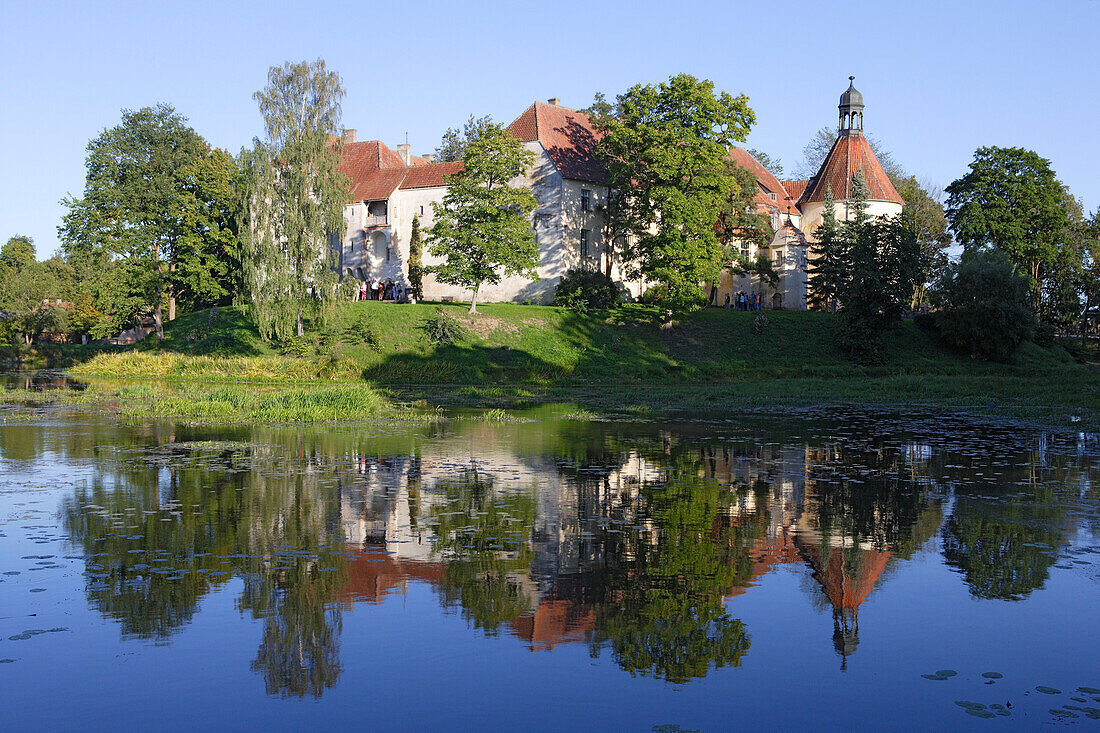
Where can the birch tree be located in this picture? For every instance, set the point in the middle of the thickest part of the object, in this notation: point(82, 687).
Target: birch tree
point(294, 198)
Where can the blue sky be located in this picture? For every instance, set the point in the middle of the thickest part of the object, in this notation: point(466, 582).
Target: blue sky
point(939, 79)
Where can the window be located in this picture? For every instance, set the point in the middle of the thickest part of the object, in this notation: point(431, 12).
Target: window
point(586, 200)
point(745, 250)
point(422, 211)
point(584, 244)
point(779, 257)
point(771, 196)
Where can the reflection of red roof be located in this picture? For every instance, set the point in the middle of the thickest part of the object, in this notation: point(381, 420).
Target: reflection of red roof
point(554, 622)
point(374, 575)
point(850, 153)
point(568, 137)
point(847, 589)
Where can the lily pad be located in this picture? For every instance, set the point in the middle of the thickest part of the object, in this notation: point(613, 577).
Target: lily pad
point(1089, 690)
point(946, 673)
point(980, 713)
point(992, 675)
point(970, 705)
point(1048, 690)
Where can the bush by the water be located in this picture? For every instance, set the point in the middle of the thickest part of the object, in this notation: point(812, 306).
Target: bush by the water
point(985, 310)
point(583, 290)
point(441, 328)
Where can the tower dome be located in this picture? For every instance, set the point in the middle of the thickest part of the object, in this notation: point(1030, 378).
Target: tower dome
point(851, 108)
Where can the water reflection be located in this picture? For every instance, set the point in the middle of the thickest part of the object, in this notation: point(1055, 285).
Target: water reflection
point(633, 539)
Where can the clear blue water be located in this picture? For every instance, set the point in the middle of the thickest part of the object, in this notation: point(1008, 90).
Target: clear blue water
point(815, 570)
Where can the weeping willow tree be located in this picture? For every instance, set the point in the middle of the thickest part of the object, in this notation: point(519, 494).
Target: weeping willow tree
point(294, 198)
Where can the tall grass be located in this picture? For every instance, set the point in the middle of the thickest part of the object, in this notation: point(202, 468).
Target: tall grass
point(169, 365)
point(276, 405)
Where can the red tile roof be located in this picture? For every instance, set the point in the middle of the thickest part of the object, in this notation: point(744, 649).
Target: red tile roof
point(795, 189)
point(767, 182)
point(428, 175)
point(568, 137)
point(850, 153)
point(376, 171)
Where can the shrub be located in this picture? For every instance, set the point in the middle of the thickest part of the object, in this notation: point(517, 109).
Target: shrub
point(361, 332)
point(1045, 334)
point(584, 290)
point(442, 328)
point(297, 347)
point(986, 312)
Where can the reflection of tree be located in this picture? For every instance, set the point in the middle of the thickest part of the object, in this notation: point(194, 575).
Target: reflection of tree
point(482, 542)
point(661, 608)
point(159, 535)
point(1004, 549)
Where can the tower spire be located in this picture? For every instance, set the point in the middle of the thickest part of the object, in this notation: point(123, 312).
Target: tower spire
point(851, 109)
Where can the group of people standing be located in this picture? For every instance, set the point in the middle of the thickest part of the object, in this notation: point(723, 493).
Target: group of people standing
point(376, 289)
point(744, 302)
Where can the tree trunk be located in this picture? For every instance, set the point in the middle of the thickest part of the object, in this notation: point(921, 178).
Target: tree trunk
point(301, 330)
point(171, 307)
point(473, 302)
point(158, 322)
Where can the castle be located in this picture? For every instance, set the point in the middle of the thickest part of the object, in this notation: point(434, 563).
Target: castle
point(389, 189)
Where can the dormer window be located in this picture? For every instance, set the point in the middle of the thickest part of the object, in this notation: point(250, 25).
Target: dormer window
point(771, 197)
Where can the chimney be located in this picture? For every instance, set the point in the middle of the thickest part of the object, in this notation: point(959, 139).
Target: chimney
point(403, 151)
point(349, 136)
point(556, 101)
point(428, 157)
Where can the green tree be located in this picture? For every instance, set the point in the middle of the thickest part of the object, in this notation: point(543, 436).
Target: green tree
point(141, 219)
point(826, 270)
point(1010, 201)
point(883, 265)
point(984, 307)
point(924, 216)
point(294, 197)
point(774, 165)
point(416, 260)
point(482, 227)
point(18, 252)
point(453, 146)
point(665, 151)
point(740, 224)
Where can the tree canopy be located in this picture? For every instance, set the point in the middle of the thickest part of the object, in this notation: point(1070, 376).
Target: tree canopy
point(156, 219)
point(452, 147)
point(924, 216)
point(1011, 201)
point(294, 197)
point(482, 229)
point(665, 150)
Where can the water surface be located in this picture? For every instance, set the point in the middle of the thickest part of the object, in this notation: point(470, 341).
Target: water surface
point(832, 568)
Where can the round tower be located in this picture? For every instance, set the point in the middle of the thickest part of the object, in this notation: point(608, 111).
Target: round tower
point(851, 109)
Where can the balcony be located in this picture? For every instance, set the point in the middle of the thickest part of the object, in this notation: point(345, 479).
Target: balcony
point(380, 220)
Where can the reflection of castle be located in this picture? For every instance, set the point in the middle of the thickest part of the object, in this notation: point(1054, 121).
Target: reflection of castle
point(580, 513)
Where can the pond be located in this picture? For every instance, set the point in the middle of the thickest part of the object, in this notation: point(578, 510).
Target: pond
point(829, 568)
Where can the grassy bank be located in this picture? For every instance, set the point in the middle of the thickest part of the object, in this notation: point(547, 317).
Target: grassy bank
point(512, 353)
point(228, 403)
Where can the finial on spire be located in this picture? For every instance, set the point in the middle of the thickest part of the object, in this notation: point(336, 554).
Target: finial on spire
point(851, 80)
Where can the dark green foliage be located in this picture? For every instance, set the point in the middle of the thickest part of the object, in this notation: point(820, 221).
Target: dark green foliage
point(924, 215)
point(482, 229)
point(297, 346)
point(985, 309)
point(583, 290)
point(441, 328)
point(1010, 201)
point(416, 261)
point(156, 220)
point(665, 150)
point(825, 269)
point(883, 266)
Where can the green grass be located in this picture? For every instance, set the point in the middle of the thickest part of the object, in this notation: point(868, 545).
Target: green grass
point(515, 354)
point(228, 402)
